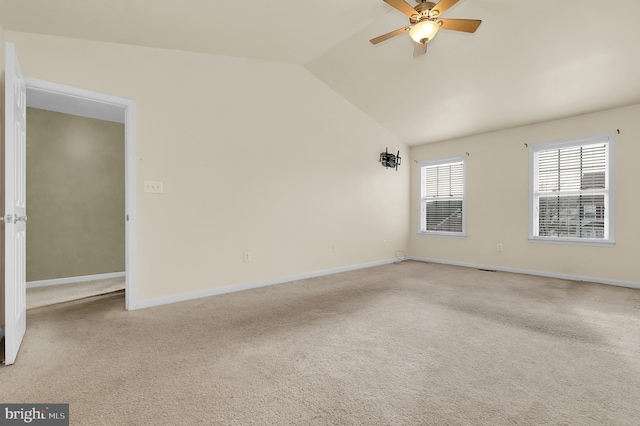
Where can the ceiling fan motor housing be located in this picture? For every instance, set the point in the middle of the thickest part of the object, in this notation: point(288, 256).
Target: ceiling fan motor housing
point(424, 11)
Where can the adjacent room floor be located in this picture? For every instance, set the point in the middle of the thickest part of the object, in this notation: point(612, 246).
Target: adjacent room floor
point(50, 295)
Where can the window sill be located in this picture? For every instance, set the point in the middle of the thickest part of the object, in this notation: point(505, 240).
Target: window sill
point(442, 234)
point(573, 242)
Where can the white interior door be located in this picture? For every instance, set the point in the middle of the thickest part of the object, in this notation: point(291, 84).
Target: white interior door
point(15, 217)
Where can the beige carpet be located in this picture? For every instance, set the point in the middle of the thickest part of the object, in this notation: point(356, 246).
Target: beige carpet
point(401, 344)
point(50, 295)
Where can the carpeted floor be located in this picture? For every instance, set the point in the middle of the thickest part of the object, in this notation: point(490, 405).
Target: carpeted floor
point(401, 344)
point(50, 295)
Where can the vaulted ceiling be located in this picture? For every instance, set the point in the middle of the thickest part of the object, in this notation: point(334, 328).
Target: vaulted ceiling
point(529, 61)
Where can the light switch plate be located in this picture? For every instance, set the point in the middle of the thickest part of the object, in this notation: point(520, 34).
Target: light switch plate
point(153, 186)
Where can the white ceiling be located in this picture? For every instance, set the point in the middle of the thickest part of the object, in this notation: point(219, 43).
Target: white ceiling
point(529, 61)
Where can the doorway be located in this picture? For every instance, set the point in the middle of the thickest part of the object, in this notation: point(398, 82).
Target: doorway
point(75, 196)
point(44, 95)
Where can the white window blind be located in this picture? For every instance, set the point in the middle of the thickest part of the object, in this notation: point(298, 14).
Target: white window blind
point(442, 186)
point(571, 190)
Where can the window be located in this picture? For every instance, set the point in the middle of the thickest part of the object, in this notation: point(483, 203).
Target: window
point(572, 191)
point(442, 197)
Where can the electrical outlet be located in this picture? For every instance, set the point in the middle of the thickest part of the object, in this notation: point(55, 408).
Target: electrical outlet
point(499, 247)
point(246, 256)
point(153, 187)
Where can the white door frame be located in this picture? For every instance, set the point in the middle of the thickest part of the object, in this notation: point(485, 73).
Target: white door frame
point(109, 105)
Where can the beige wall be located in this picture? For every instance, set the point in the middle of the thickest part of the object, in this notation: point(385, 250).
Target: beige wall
point(498, 201)
point(75, 196)
point(254, 155)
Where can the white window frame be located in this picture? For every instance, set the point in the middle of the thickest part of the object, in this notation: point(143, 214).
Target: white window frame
point(421, 204)
point(609, 216)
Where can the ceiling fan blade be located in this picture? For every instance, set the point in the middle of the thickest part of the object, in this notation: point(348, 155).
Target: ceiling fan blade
point(465, 25)
point(403, 7)
point(419, 49)
point(387, 36)
point(443, 6)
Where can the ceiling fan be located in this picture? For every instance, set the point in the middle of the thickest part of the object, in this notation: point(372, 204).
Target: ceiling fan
point(425, 22)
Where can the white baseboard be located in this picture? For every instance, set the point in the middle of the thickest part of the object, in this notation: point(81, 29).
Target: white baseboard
point(71, 280)
point(248, 286)
point(617, 283)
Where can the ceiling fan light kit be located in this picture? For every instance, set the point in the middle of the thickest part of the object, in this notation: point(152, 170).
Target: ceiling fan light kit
point(425, 22)
point(424, 31)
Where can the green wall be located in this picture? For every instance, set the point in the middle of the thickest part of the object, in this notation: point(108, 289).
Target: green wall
point(75, 196)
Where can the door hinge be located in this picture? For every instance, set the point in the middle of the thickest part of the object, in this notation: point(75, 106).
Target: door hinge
point(13, 219)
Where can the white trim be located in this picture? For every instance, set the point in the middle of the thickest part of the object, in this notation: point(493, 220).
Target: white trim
point(441, 234)
point(130, 204)
point(628, 284)
point(569, 142)
point(71, 280)
point(74, 105)
point(572, 241)
point(55, 89)
point(257, 284)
